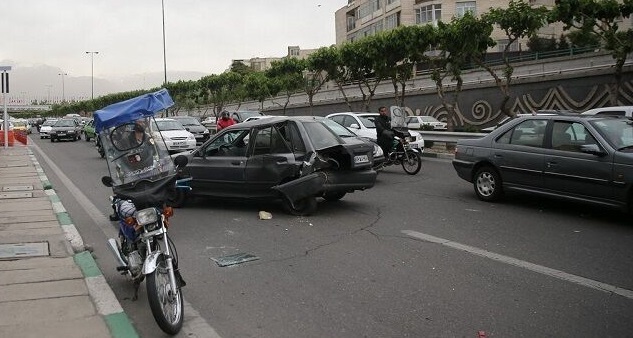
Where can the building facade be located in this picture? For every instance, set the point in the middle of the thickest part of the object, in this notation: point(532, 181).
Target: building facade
point(361, 18)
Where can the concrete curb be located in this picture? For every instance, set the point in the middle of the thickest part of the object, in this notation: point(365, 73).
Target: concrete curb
point(446, 156)
point(103, 297)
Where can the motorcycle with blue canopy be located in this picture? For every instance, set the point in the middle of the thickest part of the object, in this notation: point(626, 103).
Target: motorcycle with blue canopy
point(144, 180)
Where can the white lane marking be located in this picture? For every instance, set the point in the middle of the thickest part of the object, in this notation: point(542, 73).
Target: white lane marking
point(195, 325)
point(590, 283)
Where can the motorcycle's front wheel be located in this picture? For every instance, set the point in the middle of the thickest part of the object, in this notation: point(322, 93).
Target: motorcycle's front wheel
point(166, 303)
point(411, 162)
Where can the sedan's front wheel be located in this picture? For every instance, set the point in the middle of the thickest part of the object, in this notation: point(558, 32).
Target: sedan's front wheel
point(487, 184)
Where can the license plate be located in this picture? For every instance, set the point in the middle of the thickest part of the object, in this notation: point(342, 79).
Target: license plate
point(414, 145)
point(179, 143)
point(361, 159)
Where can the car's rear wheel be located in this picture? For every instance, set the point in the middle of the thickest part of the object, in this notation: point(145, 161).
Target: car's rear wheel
point(52, 139)
point(487, 184)
point(334, 196)
point(303, 207)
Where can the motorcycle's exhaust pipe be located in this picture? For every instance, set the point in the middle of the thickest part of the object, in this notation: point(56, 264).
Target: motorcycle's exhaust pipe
point(114, 247)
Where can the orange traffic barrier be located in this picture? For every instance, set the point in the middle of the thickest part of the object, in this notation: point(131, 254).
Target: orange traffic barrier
point(11, 138)
point(21, 136)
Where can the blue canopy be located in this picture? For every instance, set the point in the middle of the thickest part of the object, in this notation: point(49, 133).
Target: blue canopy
point(132, 109)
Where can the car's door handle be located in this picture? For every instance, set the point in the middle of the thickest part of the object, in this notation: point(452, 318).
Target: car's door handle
point(282, 161)
point(551, 164)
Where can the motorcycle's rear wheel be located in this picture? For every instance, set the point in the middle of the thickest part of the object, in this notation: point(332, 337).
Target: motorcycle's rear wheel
point(166, 304)
point(411, 162)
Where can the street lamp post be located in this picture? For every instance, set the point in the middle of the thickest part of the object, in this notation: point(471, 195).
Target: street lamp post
point(162, 2)
point(63, 88)
point(92, 73)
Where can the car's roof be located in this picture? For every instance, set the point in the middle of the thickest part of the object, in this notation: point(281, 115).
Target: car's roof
point(276, 119)
point(597, 110)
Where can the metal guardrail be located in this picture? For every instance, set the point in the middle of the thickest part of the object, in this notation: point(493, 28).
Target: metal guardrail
point(447, 137)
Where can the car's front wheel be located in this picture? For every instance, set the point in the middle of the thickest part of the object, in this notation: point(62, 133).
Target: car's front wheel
point(487, 184)
point(303, 207)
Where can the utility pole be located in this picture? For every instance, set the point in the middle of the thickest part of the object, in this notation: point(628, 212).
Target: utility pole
point(63, 88)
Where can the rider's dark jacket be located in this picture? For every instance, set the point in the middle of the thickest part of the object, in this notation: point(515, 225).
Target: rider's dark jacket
point(384, 133)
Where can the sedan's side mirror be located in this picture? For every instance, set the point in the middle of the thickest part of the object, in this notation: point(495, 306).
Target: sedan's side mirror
point(592, 149)
point(354, 125)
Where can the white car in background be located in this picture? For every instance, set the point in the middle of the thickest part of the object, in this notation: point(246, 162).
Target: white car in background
point(362, 124)
point(45, 129)
point(176, 137)
point(617, 111)
point(417, 122)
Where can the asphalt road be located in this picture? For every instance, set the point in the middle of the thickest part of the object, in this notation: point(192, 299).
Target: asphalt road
point(415, 256)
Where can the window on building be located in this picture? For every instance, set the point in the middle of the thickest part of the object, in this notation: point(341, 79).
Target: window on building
point(392, 21)
point(428, 14)
point(466, 6)
point(389, 2)
point(351, 23)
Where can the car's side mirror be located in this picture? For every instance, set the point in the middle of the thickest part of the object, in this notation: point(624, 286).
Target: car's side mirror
point(107, 181)
point(592, 149)
point(181, 161)
point(354, 125)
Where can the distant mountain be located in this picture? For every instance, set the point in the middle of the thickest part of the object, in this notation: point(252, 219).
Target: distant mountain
point(43, 82)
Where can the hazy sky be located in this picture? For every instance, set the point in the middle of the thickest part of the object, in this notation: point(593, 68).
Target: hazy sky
point(201, 35)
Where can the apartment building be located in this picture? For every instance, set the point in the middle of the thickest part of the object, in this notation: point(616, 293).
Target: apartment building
point(362, 18)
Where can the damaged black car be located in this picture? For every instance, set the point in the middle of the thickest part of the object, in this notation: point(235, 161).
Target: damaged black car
point(294, 159)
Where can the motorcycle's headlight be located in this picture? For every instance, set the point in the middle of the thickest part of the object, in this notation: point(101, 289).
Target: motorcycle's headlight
point(146, 216)
point(409, 138)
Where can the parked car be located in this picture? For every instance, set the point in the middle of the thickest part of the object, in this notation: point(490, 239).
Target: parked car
point(617, 111)
point(176, 137)
point(575, 157)
point(2, 125)
point(21, 125)
point(88, 130)
point(293, 159)
point(65, 129)
point(257, 117)
point(46, 127)
point(418, 122)
point(363, 125)
point(192, 125)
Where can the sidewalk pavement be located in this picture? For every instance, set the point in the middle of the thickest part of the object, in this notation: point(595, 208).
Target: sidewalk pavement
point(50, 286)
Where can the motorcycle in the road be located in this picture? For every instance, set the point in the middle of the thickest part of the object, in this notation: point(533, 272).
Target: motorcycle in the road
point(143, 179)
point(401, 153)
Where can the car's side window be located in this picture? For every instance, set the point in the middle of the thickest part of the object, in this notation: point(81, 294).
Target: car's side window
point(291, 134)
point(612, 112)
point(232, 143)
point(527, 133)
point(570, 136)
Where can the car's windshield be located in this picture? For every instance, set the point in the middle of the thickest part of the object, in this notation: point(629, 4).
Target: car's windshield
point(164, 125)
point(188, 121)
point(338, 129)
point(246, 114)
point(320, 135)
point(428, 119)
point(617, 131)
point(367, 121)
point(65, 123)
point(49, 122)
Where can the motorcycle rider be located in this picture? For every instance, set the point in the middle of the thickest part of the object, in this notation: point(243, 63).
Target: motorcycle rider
point(384, 133)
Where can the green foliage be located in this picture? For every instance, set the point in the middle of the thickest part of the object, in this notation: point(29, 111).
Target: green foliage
point(540, 44)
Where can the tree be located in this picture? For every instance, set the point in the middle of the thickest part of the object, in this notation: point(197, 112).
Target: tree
point(329, 60)
point(600, 17)
point(315, 75)
point(458, 42)
point(258, 87)
point(288, 74)
point(359, 58)
point(403, 48)
point(518, 21)
point(221, 89)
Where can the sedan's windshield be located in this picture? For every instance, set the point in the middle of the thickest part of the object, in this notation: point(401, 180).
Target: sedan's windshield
point(618, 132)
point(368, 121)
point(164, 125)
point(188, 121)
point(65, 123)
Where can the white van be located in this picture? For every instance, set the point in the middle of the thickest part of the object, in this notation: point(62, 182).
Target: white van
point(616, 111)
